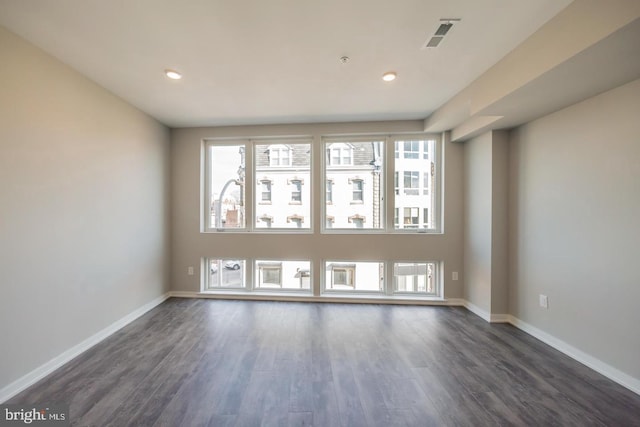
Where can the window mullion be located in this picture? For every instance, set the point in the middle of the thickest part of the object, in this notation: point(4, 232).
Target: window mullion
point(249, 187)
point(389, 191)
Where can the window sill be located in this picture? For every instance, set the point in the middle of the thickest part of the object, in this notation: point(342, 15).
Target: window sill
point(264, 230)
point(305, 296)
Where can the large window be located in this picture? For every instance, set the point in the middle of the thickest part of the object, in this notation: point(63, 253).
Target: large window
point(264, 184)
point(354, 184)
point(407, 279)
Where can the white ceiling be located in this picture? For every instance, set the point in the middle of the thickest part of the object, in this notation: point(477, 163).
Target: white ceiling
point(277, 61)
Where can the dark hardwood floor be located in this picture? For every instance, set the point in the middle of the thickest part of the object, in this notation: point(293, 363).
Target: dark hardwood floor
point(240, 363)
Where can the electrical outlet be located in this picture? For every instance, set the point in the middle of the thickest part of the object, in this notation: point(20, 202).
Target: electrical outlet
point(190, 271)
point(454, 275)
point(544, 301)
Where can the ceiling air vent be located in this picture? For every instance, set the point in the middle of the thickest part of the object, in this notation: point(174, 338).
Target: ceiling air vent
point(442, 30)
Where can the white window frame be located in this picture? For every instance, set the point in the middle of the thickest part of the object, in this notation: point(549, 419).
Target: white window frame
point(251, 277)
point(388, 184)
point(388, 168)
point(250, 191)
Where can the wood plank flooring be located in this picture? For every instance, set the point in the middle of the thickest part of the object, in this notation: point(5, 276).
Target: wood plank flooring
point(240, 363)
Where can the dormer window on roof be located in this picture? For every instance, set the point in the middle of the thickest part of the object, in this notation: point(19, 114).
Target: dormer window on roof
point(340, 154)
point(279, 155)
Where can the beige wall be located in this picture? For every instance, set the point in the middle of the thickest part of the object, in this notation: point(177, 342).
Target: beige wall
point(574, 225)
point(499, 222)
point(189, 245)
point(477, 221)
point(486, 166)
point(83, 208)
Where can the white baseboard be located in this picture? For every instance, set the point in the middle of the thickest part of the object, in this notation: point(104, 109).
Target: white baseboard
point(183, 294)
point(500, 318)
point(477, 311)
point(43, 370)
point(457, 302)
point(489, 317)
point(597, 365)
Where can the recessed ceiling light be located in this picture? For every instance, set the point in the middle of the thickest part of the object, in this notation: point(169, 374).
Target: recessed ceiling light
point(389, 76)
point(174, 75)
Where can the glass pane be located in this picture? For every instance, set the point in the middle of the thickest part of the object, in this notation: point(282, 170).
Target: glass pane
point(414, 278)
point(347, 276)
point(227, 167)
point(413, 196)
point(290, 184)
point(289, 275)
point(226, 273)
point(265, 189)
point(356, 185)
point(296, 191)
point(411, 149)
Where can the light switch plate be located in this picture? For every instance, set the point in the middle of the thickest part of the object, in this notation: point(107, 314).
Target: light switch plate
point(544, 301)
